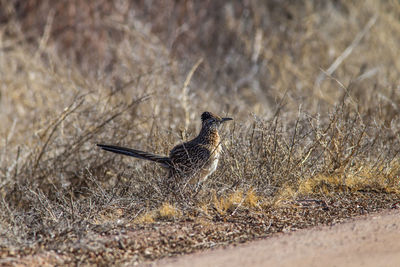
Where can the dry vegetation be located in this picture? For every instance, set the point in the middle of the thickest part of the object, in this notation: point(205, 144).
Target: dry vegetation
point(313, 87)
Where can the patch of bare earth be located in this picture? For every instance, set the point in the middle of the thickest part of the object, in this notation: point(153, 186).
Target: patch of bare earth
point(372, 240)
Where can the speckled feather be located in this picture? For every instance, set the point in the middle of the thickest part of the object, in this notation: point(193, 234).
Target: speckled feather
point(197, 158)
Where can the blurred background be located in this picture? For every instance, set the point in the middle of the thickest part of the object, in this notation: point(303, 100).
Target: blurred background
point(253, 51)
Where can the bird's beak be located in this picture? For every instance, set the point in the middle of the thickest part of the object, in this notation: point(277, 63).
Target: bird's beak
point(226, 119)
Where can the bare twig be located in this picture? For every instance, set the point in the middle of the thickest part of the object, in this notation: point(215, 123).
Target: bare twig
point(339, 60)
point(69, 110)
point(185, 90)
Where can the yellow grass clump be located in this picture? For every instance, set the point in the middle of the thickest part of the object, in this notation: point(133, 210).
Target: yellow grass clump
point(168, 211)
point(146, 218)
point(235, 200)
point(365, 178)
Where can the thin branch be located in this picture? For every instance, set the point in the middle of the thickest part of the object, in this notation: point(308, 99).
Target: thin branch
point(339, 60)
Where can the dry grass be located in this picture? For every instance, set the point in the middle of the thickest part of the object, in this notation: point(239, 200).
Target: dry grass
point(313, 88)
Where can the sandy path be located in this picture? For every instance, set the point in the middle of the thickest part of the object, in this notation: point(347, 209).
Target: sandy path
point(373, 240)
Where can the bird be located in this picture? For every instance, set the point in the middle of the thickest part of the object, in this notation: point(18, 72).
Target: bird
point(194, 160)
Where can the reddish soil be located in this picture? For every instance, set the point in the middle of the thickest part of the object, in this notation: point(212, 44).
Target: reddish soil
point(372, 240)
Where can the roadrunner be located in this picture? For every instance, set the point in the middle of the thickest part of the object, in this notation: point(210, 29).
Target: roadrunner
point(194, 160)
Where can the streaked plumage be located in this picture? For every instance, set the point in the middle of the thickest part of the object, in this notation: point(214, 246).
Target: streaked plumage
point(196, 159)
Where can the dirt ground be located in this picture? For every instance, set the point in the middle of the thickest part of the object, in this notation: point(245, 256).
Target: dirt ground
point(372, 240)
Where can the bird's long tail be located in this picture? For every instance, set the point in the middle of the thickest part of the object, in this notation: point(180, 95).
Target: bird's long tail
point(164, 161)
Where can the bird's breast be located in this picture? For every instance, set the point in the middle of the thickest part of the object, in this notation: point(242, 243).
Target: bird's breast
point(214, 138)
